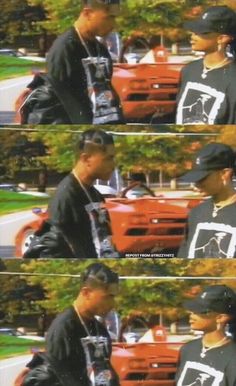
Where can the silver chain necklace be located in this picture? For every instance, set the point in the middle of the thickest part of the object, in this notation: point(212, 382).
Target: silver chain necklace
point(98, 211)
point(206, 70)
point(98, 352)
point(223, 204)
point(83, 188)
point(99, 71)
point(217, 344)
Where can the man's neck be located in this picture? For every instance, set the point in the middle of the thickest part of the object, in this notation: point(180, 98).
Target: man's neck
point(82, 177)
point(80, 309)
point(224, 195)
point(212, 59)
point(213, 337)
point(83, 30)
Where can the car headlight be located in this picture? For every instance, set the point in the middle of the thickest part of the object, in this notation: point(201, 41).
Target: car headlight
point(138, 220)
point(138, 364)
point(139, 84)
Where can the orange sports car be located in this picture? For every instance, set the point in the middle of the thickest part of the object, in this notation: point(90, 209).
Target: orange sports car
point(141, 225)
point(147, 91)
point(145, 364)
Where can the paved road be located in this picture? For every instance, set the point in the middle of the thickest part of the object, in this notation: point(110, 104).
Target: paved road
point(10, 368)
point(7, 252)
point(9, 226)
point(9, 91)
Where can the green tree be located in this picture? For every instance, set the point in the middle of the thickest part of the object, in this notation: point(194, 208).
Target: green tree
point(18, 152)
point(151, 16)
point(145, 153)
point(19, 18)
point(137, 296)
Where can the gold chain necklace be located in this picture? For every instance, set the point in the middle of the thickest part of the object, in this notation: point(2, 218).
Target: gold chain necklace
point(218, 65)
point(98, 352)
point(217, 344)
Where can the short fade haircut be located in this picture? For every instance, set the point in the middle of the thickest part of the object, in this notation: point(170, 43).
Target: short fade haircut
point(96, 4)
point(98, 275)
point(91, 141)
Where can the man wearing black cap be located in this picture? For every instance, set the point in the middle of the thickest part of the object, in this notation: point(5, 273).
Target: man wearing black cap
point(78, 346)
point(77, 88)
point(207, 92)
point(210, 360)
point(212, 224)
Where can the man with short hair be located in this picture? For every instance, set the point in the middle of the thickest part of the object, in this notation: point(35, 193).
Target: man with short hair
point(78, 345)
point(79, 223)
point(212, 224)
point(79, 75)
point(77, 207)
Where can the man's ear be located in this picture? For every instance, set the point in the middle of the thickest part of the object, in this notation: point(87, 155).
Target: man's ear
point(85, 291)
point(85, 157)
point(87, 12)
point(224, 39)
point(223, 318)
point(227, 174)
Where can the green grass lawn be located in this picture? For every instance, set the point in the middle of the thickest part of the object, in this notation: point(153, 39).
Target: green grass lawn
point(12, 346)
point(11, 202)
point(11, 67)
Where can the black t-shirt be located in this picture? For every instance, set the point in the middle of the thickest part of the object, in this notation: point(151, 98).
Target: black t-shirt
point(87, 76)
point(81, 360)
point(210, 236)
point(207, 101)
point(85, 224)
point(217, 368)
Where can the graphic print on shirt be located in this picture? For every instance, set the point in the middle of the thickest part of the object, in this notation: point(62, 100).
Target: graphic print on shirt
point(100, 91)
point(96, 353)
point(199, 374)
point(199, 104)
point(213, 240)
point(101, 229)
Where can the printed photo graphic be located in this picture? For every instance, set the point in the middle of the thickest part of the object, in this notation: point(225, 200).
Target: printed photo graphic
point(195, 374)
point(199, 104)
point(213, 240)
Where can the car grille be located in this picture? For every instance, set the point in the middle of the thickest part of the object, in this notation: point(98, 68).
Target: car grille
point(151, 97)
point(168, 373)
point(166, 227)
point(160, 231)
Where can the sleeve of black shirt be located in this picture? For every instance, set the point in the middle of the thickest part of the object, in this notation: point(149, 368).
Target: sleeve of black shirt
point(59, 350)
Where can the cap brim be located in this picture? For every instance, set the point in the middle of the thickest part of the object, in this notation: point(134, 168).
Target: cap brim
point(195, 175)
point(196, 306)
point(197, 26)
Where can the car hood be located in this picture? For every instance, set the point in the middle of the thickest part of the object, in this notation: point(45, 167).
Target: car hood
point(157, 351)
point(155, 71)
point(144, 204)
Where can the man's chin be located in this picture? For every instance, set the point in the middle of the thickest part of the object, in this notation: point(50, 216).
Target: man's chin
point(201, 193)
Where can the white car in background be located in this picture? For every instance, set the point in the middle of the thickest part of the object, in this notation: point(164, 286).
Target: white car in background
point(19, 189)
point(21, 55)
point(8, 331)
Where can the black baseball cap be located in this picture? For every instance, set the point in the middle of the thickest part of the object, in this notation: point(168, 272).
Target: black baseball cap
point(214, 156)
point(215, 298)
point(221, 19)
